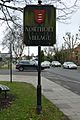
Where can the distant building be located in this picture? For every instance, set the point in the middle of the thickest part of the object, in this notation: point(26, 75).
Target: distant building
point(76, 55)
point(73, 55)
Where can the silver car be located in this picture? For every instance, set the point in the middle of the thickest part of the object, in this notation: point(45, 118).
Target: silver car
point(56, 64)
point(69, 65)
point(45, 64)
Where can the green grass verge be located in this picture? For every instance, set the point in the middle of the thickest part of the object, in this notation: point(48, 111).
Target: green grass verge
point(4, 67)
point(24, 106)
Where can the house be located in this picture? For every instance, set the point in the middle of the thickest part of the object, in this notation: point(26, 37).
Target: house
point(75, 55)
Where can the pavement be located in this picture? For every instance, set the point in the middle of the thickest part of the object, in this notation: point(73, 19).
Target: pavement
point(67, 101)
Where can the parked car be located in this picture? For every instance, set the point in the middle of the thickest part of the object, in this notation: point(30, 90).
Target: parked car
point(27, 65)
point(33, 61)
point(69, 65)
point(45, 64)
point(56, 64)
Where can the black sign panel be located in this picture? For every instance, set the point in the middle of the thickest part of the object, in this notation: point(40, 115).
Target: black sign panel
point(39, 25)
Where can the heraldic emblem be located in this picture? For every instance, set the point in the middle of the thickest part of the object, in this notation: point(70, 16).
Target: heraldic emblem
point(39, 16)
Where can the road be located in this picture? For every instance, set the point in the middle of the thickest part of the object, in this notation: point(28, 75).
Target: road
point(69, 79)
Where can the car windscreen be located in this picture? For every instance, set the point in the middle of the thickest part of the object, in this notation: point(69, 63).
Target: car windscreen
point(25, 63)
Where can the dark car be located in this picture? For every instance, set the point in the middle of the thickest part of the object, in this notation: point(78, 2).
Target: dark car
point(27, 65)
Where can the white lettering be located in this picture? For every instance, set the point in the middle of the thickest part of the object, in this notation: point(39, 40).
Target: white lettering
point(39, 29)
point(37, 37)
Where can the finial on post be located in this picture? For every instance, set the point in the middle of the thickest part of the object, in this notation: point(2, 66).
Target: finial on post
point(39, 1)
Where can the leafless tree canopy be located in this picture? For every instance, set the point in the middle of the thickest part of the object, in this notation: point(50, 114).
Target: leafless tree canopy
point(15, 38)
point(70, 41)
point(10, 8)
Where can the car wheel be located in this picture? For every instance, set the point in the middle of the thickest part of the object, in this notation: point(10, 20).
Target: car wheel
point(21, 69)
point(53, 65)
point(63, 67)
point(68, 67)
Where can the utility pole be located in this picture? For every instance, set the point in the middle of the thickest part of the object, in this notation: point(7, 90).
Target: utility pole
point(10, 62)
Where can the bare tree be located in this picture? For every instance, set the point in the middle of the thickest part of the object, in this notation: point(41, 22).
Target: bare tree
point(65, 9)
point(10, 8)
point(70, 42)
point(15, 38)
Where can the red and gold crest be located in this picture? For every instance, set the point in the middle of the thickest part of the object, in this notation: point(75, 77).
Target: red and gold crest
point(39, 16)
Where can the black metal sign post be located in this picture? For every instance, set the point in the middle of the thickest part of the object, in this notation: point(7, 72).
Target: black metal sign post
point(39, 25)
point(39, 107)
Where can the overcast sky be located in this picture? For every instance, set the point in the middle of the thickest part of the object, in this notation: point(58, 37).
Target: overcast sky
point(73, 27)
